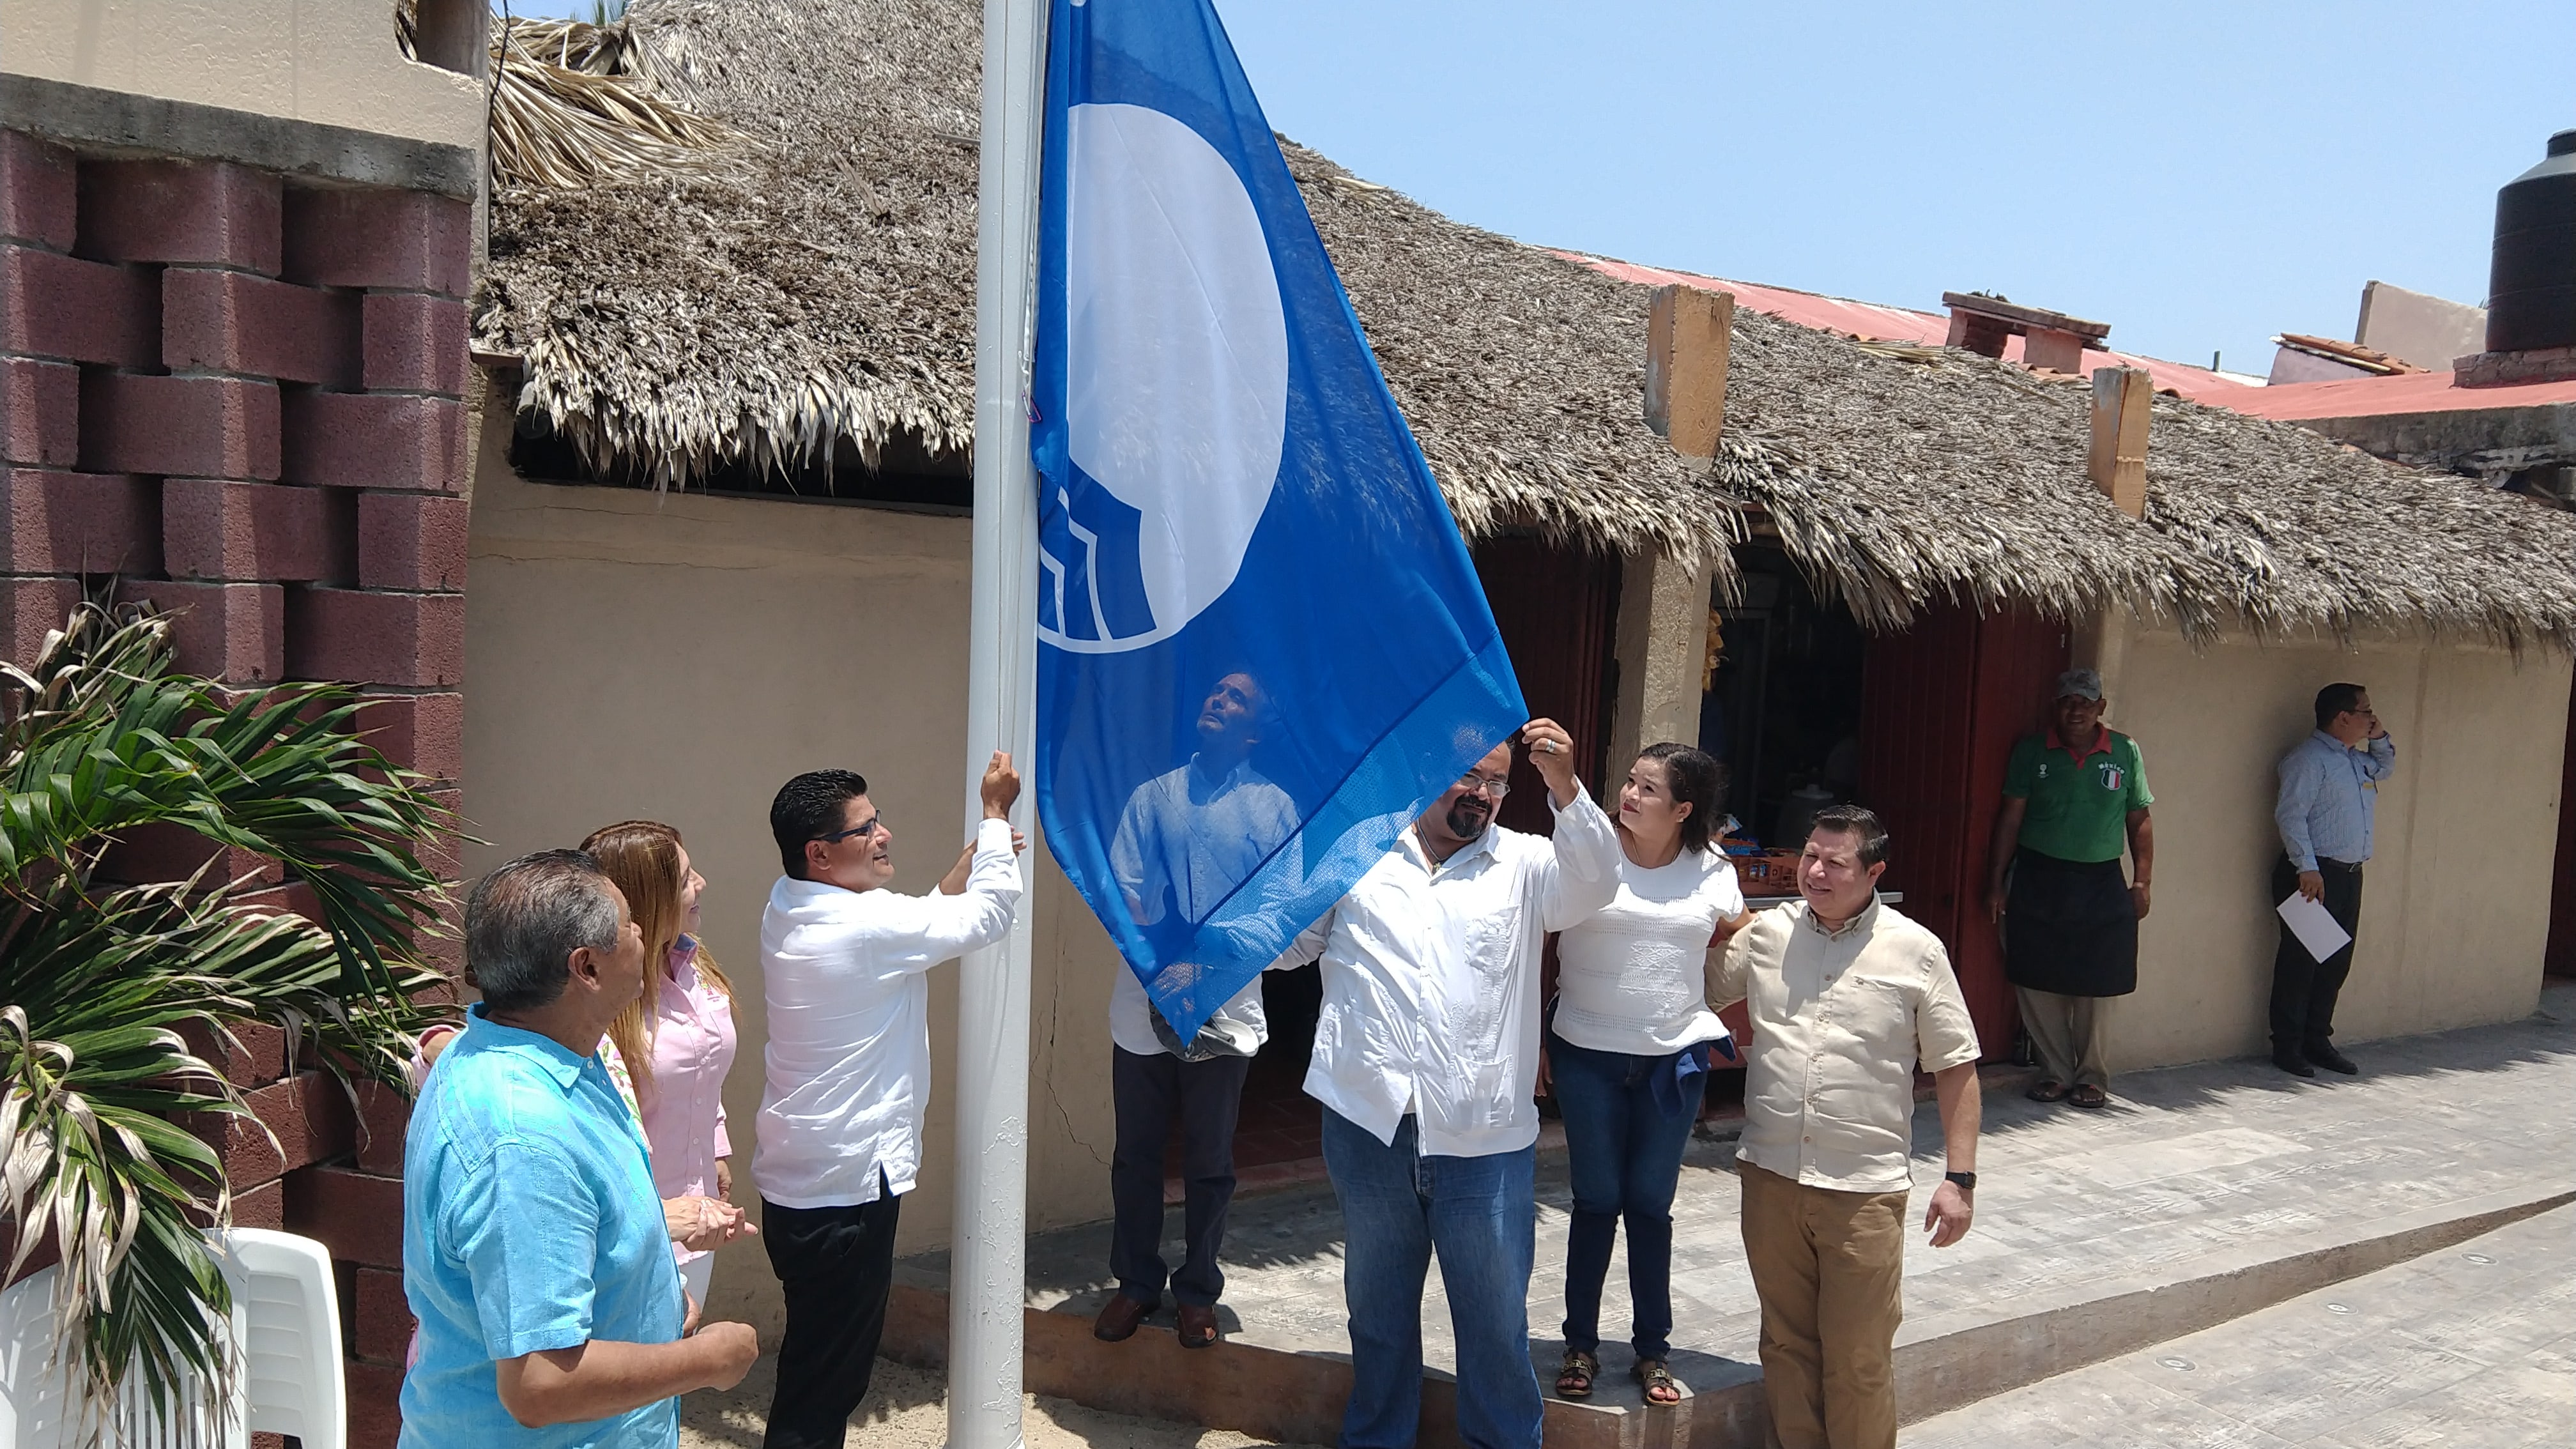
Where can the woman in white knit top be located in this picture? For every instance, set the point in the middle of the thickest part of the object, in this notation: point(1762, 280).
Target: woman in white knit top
point(1627, 1053)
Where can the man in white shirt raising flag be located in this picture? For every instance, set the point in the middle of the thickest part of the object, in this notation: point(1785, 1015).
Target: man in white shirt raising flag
point(845, 965)
point(1426, 1054)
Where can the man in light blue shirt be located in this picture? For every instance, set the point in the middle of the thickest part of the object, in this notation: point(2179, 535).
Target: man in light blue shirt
point(2329, 787)
point(535, 1252)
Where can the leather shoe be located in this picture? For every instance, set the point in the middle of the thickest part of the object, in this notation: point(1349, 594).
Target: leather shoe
point(2332, 1060)
point(1118, 1318)
point(1198, 1325)
point(2293, 1063)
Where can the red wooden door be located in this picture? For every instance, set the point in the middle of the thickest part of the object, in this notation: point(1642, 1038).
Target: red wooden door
point(1941, 705)
point(1558, 610)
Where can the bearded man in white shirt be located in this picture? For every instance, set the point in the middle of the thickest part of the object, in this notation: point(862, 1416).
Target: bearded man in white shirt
point(844, 963)
point(1426, 1054)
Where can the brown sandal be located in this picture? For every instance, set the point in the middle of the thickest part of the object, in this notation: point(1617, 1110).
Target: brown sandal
point(2051, 1090)
point(1574, 1380)
point(2089, 1097)
point(1656, 1377)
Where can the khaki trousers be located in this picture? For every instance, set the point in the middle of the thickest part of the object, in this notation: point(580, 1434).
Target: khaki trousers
point(2067, 1032)
point(1826, 1266)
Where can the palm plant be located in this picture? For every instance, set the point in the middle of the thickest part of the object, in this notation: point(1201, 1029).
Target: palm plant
point(101, 738)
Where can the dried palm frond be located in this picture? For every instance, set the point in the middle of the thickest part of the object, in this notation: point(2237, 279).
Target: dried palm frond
point(564, 128)
point(575, 105)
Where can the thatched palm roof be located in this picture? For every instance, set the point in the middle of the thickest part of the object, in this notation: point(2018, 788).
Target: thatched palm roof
point(825, 289)
point(816, 287)
point(1902, 475)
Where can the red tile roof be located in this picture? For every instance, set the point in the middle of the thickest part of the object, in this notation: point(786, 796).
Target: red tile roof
point(2413, 392)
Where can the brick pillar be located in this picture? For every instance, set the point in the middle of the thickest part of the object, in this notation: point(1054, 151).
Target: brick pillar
point(242, 399)
point(68, 509)
point(391, 441)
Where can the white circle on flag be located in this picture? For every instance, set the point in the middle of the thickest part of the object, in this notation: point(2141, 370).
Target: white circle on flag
point(1176, 363)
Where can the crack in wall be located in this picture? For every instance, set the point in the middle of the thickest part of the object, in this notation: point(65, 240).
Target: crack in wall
point(1055, 1005)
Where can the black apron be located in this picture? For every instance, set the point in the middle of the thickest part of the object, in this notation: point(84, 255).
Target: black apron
point(2069, 927)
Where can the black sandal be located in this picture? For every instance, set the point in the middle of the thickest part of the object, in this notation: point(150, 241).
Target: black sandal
point(1653, 1374)
point(1574, 1380)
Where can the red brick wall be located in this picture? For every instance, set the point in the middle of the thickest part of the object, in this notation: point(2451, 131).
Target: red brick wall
point(243, 397)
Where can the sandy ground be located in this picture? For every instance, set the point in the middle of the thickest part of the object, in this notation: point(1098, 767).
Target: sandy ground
point(909, 1406)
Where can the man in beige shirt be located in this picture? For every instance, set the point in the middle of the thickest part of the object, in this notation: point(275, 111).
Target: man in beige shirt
point(1846, 997)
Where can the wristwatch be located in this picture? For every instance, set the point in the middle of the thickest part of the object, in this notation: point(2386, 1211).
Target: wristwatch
point(1967, 1181)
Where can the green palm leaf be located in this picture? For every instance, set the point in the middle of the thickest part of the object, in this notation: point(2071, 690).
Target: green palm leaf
point(98, 738)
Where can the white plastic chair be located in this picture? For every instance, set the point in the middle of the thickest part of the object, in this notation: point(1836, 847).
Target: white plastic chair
point(286, 1315)
point(33, 1399)
point(286, 1319)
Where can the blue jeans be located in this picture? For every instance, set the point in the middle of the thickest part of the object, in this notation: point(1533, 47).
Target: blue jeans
point(1481, 1215)
point(1625, 1156)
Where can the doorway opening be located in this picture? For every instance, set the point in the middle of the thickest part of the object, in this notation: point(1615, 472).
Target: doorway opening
point(1808, 709)
point(1782, 707)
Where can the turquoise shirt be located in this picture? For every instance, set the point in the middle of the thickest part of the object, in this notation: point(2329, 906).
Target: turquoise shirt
point(529, 1223)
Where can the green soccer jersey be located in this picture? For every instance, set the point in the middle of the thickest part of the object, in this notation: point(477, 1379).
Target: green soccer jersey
point(2079, 809)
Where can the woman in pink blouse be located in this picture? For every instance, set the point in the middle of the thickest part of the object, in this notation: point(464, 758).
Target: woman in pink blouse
point(678, 1037)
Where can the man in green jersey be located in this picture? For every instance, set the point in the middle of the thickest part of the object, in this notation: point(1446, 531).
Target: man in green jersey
point(2074, 798)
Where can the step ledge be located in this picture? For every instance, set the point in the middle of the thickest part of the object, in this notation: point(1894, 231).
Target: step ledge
point(1943, 1362)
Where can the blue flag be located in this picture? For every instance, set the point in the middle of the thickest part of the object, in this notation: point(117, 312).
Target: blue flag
point(1263, 649)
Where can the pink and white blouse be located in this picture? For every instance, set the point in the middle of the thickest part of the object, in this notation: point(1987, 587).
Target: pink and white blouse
point(684, 1116)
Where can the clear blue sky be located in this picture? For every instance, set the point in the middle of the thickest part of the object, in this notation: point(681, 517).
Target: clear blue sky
point(2200, 175)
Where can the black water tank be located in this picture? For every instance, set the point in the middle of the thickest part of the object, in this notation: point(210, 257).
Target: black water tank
point(2531, 290)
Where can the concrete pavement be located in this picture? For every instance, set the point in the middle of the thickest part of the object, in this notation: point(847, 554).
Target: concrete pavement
point(2205, 1192)
point(2470, 1347)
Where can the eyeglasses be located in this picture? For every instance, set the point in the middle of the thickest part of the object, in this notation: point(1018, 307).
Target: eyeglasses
point(862, 830)
point(1479, 785)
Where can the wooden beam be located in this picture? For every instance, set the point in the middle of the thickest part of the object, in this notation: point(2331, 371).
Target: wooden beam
point(2022, 317)
point(1688, 334)
point(2123, 402)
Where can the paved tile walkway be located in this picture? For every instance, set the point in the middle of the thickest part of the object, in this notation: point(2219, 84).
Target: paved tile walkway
point(2193, 1170)
point(2470, 1347)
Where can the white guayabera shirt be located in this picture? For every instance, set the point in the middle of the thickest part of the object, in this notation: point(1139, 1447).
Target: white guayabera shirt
point(1184, 841)
point(1431, 981)
point(849, 1024)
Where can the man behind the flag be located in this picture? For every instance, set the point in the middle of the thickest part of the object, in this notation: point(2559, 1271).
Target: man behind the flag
point(1227, 492)
point(1225, 488)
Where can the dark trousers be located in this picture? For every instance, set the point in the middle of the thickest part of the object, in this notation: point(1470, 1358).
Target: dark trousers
point(835, 1264)
point(1149, 1091)
point(1625, 1154)
point(2304, 988)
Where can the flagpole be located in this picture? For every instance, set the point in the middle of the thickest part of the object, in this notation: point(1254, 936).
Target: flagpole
point(988, 1236)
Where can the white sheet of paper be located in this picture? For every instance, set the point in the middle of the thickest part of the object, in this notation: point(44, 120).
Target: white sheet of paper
point(2316, 930)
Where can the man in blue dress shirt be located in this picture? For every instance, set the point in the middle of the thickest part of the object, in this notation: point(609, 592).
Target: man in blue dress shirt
point(2329, 786)
point(535, 1253)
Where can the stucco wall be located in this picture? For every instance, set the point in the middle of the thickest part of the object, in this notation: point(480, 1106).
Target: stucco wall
point(331, 62)
point(2455, 906)
point(677, 659)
